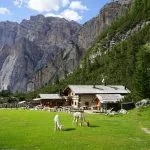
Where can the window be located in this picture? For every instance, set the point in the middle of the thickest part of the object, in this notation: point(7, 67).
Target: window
point(86, 103)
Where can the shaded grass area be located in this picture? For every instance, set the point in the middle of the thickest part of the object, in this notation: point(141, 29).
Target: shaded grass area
point(34, 130)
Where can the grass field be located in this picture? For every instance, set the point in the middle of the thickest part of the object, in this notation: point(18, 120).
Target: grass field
point(34, 130)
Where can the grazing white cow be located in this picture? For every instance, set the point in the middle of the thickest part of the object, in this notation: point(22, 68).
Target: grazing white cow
point(78, 118)
point(58, 126)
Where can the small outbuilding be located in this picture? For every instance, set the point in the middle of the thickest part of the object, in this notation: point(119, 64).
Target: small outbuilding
point(107, 101)
point(50, 100)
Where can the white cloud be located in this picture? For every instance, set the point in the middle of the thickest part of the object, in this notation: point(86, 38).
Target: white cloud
point(67, 14)
point(20, 3)
point(53, 15)
point(77, 5)
point(65, 2)
point(4, 11)
point(71, 15)
point(42, 5)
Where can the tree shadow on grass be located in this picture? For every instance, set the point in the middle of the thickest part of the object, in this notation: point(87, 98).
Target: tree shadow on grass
point(69, 129)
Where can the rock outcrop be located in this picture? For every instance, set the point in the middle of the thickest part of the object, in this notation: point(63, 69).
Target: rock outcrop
point(93, 28)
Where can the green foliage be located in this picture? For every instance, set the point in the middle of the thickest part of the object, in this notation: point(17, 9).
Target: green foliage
point(5, 93)
point(143, 72)
point(57, 79)
point(5, 96)
point(20, 96)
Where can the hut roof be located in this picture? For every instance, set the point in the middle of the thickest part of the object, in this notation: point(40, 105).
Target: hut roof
point(22, 102)
point(109, 98)
point(98, 89)
point(50, 96)
point(37, 99)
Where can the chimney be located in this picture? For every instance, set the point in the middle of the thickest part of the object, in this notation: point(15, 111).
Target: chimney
point(60, 92)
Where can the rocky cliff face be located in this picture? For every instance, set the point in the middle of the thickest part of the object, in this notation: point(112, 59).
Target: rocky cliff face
point(92, 29)
point(25, 48)
point(35, 51)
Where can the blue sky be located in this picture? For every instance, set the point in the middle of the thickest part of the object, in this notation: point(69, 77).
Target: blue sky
point(77, 10)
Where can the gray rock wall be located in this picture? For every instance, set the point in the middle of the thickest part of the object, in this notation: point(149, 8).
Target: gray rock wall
point(25, 48)
point(92, 29)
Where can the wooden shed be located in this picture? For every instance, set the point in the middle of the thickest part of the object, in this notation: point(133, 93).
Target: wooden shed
point(50, 100)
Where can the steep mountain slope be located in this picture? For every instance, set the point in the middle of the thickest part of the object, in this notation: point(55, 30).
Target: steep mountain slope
point(27, 47)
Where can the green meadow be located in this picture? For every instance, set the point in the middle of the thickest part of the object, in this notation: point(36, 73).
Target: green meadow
point(34, 130)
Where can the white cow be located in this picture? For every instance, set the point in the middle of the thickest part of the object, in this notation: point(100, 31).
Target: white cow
point(58, 126)
point(78, 118)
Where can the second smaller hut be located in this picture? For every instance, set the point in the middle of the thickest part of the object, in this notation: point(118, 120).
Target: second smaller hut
point(50, 100)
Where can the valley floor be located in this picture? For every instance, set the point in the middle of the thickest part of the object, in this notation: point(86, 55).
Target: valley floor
point(34, 130)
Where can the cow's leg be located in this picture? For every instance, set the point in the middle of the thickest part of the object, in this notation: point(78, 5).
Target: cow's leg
point(77, 120)
point(81, 121)
point(74, 120)
point(56, 126)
